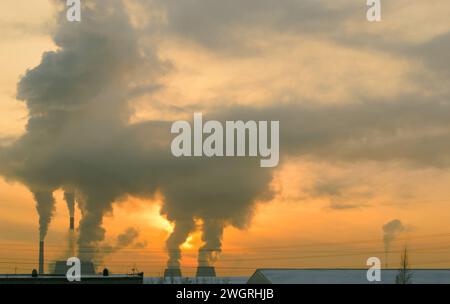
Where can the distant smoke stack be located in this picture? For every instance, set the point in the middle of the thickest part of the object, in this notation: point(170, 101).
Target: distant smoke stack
point(172, 272)
point(41, 257)
point(72, 223)
point(206, 271)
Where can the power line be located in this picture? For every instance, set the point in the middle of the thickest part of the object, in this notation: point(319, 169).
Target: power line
point(378, 240)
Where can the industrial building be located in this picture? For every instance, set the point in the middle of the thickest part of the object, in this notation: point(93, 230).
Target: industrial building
point(344, 276)
point(87, 268)
point(205, 272)
point(61, 279)
point(202, 272)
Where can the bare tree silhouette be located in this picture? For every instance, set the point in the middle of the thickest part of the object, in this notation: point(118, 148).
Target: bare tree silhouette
point(404, 275)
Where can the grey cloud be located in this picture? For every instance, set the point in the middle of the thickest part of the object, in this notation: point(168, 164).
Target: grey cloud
point(344, 206)
point(340, 192)
point(433, 54)
point(413, 129)
point(219, 24)
point(328, 188)
point(436, 54)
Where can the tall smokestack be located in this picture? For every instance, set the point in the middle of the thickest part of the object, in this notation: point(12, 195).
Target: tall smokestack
point(72, 223)
point(41, 257)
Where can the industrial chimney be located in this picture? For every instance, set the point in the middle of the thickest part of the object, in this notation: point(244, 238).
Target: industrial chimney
point(41, 257)
point(72, 223)
point(206, 271)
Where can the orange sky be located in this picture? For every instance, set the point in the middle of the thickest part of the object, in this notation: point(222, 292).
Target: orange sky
point(284, 233)
point(297, 228)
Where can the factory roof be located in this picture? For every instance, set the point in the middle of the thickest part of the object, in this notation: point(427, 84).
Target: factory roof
point(61, 279)
point(344, 276)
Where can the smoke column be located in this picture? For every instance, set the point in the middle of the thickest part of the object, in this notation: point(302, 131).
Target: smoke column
point(391, 231)
point(212, 238)
point(176, 239)
point(71, 244)
point(45, 205)
point(69, 197)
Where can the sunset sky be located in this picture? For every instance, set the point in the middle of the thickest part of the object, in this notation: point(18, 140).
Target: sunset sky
point(372, 102)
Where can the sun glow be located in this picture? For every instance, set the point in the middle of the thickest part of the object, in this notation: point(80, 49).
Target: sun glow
point(188, 243)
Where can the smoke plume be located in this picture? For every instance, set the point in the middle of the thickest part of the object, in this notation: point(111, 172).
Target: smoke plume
point(123, 240)
point(45, 206)
point(391, 230)
point(69, 197)
point(71, 245)
point(173, 243)
point(212, 238)
point(126, 238)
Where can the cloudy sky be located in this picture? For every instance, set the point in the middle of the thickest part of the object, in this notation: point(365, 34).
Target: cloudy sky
point(363, 109)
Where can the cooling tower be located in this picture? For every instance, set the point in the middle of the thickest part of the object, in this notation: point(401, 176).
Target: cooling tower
point(41, 257)
point(72, 223)
point(172, 272)
point(206, 271)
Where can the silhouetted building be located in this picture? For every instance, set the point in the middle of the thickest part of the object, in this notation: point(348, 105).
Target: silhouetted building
point(205, 271)
point(87, 268)
point(172, 272)
point(344, 276)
